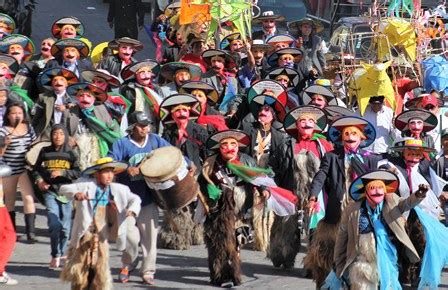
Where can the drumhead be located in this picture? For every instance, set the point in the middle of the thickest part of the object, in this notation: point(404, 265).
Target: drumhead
point(162, 163)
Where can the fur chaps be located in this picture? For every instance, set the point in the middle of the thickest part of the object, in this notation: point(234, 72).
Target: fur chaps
point(223, 256)
point(285, 242)
point(262, 222)
point(319, 259)
point(363, 273)
point(410, 272)
point(179, 231)
point(76, 270)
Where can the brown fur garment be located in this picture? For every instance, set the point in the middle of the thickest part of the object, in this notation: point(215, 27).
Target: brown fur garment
point(410, 272)
point(284, 241)
point(76, 270)
point(223, 257)
point(363, 272)
point(262, 222)
point(176, 230)
point(319, 258)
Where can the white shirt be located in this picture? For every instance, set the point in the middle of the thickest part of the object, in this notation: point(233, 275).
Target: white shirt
point(385, 131)
point(57, 115)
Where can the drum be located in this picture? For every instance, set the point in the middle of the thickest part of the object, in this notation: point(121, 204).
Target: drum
point(33, 153)
point(165, 171)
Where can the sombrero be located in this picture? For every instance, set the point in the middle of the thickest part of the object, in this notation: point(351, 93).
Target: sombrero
point(61, 44)
point(227, 41)
point(9, 24)
point(262, 100)
point(175, 100)
point(268, 15)
point(292, 74)
point(271, 41)
point(58, 24)
point(26, 43)
point(230, 60)
point(129, 71)
point(10, 62)
point(294, 26)
point(335, 130)
point(275, 88)
point(273, 58)
point(137, 45)
point(46, 77)
point(75, 89)
point(290, 122)
point(429, 119)
point(103, 163)
point(309, 91)
point(213, 141)
point(112, 80)
point(209, 90)
point(413, 144)
point(259, 44)
point(334, 112)
point(357, 188)
point(168, 70)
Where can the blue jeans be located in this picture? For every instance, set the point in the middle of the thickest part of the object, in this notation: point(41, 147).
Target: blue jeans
point(59, 223)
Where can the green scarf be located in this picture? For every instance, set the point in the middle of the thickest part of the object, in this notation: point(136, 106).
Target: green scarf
point(23, 94)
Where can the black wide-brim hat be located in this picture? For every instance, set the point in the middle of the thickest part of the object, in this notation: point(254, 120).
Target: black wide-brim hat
point(175, 100)
point(111, 80)
point(26, 43)
point(58, 24)
point(45, 78)
point(129, 71)
point(103, 163)
point(290, 122)
point(430, 121)
point(292, 74)
point(357, 190)
point(336, 128)
point(272, 40)
point(335, 112)
point(168, 70)
point(294, 26)
point(11, 62)
point(58, 47)
point(226, 41)
point(136, 44)
point(312, 90)
point(277, 90)
point(209, 90)
point(260, 101)
point(273, 58)
point(230, 60)
point(214, 140)
point(99, 94)
point(268, 15)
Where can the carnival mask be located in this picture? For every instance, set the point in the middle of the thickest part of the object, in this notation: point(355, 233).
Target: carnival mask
point(59, 84)
point(352, 137)
point(70, 54)
point(318, 101)
point(201, 96)
point(286, 60)
point(125, 52)
point(68, 31)
point(85, 100)
point(181, 114)
point(45, 47)
point(182, 76)
point(268, 24)
point(305, 126)
point(144, 76)
point(229, 149)
point(101, 83)
point(16, 51)
point(412, 156)
point(218, 63)
point(4, 69)
point(375, 191)
point(416, 127)
point(265, 115)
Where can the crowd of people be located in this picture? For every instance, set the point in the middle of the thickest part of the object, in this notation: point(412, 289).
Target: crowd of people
point(243, 141)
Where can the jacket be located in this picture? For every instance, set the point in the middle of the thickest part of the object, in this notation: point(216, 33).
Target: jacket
point(112, 64)
point(347, 241)
point(124, 199)
point(331, 179)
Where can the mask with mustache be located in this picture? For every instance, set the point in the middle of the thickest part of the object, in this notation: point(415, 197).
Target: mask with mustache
point(351, 138)
point(375, 191)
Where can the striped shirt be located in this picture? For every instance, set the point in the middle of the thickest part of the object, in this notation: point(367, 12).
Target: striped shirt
point(16, 151)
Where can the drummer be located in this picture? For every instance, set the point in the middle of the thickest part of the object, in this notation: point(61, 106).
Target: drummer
point(102, 211)
point(132, 149)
